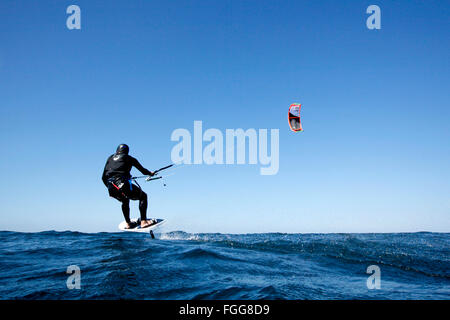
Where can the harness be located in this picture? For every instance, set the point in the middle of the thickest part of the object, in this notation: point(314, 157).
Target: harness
point(118, 183)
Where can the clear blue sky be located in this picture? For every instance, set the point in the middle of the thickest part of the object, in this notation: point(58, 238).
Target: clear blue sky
point(374, 155)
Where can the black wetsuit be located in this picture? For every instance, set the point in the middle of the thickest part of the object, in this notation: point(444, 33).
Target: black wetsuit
point(116, 177)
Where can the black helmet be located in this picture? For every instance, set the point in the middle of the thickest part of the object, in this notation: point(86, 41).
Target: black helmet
point(122, 148)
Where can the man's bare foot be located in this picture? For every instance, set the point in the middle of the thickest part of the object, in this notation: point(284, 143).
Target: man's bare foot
point(130, 225)
point(147, 223)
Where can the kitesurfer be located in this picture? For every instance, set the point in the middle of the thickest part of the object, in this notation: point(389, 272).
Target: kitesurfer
point(117, 178)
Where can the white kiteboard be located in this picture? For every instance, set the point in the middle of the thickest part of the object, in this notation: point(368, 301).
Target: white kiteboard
point(138, 228)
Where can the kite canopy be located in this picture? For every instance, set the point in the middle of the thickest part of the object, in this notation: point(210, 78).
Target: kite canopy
point(294, 117)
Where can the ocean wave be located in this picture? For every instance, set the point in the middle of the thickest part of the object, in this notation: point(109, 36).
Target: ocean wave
point(416, 256)
point(181, 265)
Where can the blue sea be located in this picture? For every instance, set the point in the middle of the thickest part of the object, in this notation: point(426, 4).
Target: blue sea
point(179, 265)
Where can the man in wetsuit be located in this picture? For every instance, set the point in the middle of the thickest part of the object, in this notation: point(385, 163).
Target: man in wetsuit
point(116, 177)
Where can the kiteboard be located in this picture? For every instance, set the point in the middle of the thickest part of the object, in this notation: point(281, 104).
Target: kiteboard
point(138, 228)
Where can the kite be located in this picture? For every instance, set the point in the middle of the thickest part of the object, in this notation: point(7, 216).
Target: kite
point(294, 117)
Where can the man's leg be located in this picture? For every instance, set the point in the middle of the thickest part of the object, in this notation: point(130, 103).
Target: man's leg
point(143, 206)
point(143, 209)
point(118, 195)
point(126, 209)
point(137, 194)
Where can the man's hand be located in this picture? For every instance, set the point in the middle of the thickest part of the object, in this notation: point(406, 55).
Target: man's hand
point(148, 172)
